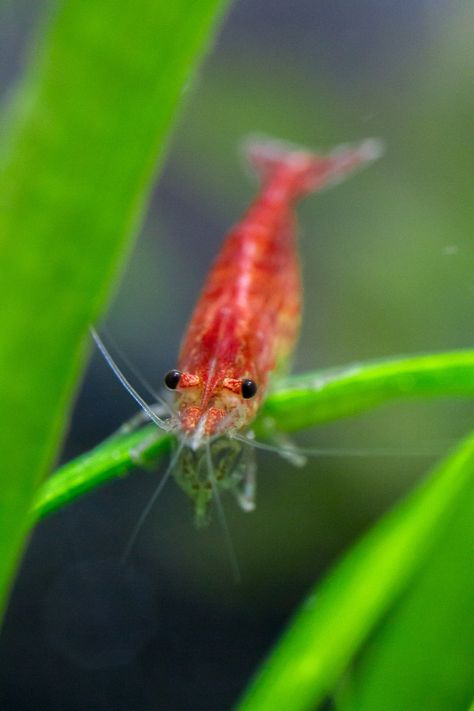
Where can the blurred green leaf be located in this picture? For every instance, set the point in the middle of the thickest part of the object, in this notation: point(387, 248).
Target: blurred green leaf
point(78, 158)
point(423, 655)
point(305, 400)
point(339, 615)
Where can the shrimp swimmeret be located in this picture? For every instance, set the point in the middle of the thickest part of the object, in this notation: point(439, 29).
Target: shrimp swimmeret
point(245, 324)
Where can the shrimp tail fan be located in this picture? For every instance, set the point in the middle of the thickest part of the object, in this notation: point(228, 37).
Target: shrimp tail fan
point(303, 171)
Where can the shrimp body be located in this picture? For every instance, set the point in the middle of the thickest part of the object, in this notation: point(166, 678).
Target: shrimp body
point(246, 322)
point(243, 329)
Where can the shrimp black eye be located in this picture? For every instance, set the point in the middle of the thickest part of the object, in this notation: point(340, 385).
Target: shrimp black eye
point(249, 388)
point(172, 379)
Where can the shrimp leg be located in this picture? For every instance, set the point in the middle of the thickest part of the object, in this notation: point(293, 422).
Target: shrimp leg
point(246, 494)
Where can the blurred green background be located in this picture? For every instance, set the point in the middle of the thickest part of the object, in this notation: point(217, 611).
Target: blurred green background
point(388, 268)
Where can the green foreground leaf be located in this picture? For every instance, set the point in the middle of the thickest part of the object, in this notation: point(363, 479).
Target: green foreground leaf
point(339, 615)
point(302, 400)
point(84, 133)
point(423, 654)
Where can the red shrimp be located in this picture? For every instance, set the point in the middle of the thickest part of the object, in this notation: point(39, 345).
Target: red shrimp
point(246, 321)
point(245, 324)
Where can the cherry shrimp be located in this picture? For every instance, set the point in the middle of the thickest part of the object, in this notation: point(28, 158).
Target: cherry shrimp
point(243, 329)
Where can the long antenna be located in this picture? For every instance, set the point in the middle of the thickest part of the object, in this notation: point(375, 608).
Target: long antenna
point(132, 368)
point(123, 380)
point(333, 452)
point(147, 510)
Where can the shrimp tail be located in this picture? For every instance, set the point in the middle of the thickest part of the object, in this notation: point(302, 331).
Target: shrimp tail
point(303, 171)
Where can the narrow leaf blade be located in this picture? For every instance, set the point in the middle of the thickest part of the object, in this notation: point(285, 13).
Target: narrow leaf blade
point(340, 614)
point(314, 398)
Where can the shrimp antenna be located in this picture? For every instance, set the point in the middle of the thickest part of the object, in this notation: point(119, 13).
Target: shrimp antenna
point(234, 563)
point(141, 379)
point(147, 510)
point(329, 452)
point(123, 380)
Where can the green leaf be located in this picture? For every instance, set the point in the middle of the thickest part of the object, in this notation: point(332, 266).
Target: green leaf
point(113, 458)
point(84, 133)
point(319, 397)
point(340, 613)
point(423, 655)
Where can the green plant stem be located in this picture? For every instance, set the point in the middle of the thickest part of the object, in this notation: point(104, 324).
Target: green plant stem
point(302, 400)
point(314, 398)
point(113, 458)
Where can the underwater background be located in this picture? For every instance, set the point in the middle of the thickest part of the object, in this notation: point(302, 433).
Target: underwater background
point(388, 263)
